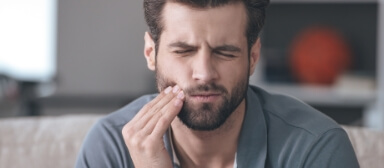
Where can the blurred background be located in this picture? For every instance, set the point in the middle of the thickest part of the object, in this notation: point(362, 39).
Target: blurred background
point(81, 57)
point(91, 59)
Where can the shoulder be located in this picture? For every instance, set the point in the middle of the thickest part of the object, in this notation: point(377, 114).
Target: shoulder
point(111, 125)
point(301, 136)
point(104, 145)
point(291, 112)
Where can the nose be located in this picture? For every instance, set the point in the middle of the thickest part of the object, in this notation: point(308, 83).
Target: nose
point(204, 68)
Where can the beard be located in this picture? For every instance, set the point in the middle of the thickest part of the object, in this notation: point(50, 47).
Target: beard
point(207, 116)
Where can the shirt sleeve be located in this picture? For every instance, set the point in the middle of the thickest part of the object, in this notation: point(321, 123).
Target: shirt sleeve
point(332, 149)
point(103, 147)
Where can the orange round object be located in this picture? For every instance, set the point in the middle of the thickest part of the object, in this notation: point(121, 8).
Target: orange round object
point(319, 55)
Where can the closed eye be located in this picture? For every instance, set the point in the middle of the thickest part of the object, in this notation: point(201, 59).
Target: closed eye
point(182, 51)
point(181, 48)
point(225, 54)
point(228, 51)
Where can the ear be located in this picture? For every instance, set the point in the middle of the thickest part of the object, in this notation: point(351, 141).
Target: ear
point(254, 56)
point(149, 51)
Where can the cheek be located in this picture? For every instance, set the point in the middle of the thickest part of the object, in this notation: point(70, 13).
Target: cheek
point(234, 74)
point(174, 70)
point(234, 71)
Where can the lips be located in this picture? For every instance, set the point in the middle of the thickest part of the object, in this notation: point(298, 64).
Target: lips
point(205, 97)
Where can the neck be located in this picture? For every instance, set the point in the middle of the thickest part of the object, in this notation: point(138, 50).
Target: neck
point(215, 148)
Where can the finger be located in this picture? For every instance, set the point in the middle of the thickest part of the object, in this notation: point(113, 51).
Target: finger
point(165, 100)
point(149, 121)
point(164, 110)
point(151, 110)
point(135, 126)
point(169, 113)
point(149, 105)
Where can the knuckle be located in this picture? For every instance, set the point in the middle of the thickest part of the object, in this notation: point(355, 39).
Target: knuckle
point(153, 108)
point(127, 130)
point(149, 145)
point(163, 122)
point(130, 135)
point(148, 106)
point(136, 142)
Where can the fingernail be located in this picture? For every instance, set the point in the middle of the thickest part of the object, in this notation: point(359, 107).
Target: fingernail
point(180, 95)
point(167, 90)
point(178, 102)
point(175, 89)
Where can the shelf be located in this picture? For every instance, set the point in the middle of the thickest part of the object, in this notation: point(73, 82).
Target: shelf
point(321, 95)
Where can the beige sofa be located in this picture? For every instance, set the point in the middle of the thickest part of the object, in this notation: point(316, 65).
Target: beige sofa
point(53, 142)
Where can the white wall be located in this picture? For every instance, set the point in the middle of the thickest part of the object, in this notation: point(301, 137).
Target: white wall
point(100, 48)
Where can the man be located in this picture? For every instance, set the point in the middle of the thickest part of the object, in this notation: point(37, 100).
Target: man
point(206, 114)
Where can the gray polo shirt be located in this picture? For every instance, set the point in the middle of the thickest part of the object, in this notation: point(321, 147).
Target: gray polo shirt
point(278, 131)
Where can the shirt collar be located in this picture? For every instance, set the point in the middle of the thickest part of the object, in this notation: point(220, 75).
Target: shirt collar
point(176, 162)
point(252, 145)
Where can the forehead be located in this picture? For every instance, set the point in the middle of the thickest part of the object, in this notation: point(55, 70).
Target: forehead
point(224, 23)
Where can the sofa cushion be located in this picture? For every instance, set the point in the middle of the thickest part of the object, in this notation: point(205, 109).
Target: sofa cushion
point(42, 141)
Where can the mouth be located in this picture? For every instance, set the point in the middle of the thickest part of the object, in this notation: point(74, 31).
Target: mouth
point(204, 97)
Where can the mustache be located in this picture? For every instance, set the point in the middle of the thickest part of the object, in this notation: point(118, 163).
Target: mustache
point(205, 88)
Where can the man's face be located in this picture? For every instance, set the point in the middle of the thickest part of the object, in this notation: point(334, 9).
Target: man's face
point(204, 52)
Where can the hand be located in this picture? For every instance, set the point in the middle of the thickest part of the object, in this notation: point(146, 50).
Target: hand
point(143, 135)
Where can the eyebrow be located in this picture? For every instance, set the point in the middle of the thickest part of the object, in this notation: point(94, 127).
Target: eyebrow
point(180, 44)
point(229, 48)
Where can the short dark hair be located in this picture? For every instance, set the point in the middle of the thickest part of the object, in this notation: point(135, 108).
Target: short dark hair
point(255, 12)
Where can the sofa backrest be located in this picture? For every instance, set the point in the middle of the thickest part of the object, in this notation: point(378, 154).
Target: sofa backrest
point(42, 142)
point(368, 145)
point(46, 142)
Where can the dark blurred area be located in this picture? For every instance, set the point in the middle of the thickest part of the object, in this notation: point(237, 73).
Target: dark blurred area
point(325, 54)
